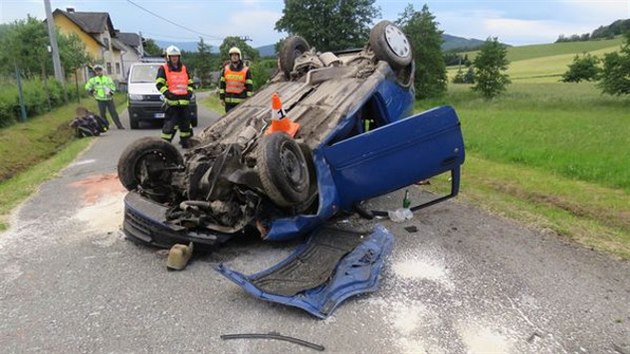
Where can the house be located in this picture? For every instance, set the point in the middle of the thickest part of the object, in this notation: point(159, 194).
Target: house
point(107, 46)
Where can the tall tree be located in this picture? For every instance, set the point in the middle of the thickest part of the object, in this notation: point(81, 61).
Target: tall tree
point(247, 52)
point(72, 53)
point(615, 74)
point(426, 41)
point(150, 48)
point(490, 69)
point(329, 25)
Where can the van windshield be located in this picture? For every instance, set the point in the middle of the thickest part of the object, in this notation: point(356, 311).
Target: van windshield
point(144, 73)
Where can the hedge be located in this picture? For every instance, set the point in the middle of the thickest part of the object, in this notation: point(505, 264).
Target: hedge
point(36, 98)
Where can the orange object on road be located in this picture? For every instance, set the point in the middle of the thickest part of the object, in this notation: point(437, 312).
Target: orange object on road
point(279, 120)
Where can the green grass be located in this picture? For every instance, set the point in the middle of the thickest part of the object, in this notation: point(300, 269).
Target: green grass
point(213, 103)
point(34, 151)
point(592, 215)
point(566, 129)
point(21, 186)
point(547, 50)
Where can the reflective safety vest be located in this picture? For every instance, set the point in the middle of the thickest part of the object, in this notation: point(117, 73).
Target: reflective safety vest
point(235, 80)
point(177, 81)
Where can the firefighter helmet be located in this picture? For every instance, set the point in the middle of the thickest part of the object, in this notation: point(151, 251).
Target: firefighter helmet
point(235, 50)
point(172, 50)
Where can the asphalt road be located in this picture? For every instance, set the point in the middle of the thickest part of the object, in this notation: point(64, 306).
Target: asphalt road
point(465, 282)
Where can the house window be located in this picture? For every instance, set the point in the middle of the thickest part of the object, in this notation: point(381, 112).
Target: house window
point(118, 68)
point(109, 68)
point(106, 41)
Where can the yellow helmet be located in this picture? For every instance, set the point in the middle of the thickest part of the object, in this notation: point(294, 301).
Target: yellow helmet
point(235, 50)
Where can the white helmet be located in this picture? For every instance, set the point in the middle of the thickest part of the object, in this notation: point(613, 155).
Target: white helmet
point(235, 50)
point(172, 50)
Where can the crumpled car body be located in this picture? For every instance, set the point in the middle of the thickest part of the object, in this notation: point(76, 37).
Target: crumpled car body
point(357, 140)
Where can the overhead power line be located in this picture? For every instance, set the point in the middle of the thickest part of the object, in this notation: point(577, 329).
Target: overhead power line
point(174, 23)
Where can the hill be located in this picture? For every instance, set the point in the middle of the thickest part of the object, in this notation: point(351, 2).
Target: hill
point(454, 42)
point(187, 46)
point(547, 62)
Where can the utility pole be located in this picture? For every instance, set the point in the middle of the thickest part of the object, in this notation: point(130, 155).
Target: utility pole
point(52, 34)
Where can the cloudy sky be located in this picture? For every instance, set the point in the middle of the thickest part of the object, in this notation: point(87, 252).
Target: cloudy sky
point(516, 22)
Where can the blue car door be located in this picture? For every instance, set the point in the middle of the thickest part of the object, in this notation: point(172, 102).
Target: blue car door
point(396, 155)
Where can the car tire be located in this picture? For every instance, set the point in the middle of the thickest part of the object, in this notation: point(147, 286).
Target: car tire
point(283, 170)
point(293, 47)
point(390, 44)
point(144, 151)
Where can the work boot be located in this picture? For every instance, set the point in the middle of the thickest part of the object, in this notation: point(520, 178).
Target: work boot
point(184, 143)
point(178, 256)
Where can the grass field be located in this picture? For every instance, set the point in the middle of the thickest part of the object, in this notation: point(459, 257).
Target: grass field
point(551, 154)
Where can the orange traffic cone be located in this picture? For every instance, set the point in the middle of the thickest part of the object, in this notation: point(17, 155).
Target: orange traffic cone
point(279, 120)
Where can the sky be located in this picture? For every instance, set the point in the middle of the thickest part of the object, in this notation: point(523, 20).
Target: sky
point(513, 22)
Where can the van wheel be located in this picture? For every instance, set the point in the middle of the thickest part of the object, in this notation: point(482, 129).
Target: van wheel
point(148, 162)
point(390, 44)
point(283, 170)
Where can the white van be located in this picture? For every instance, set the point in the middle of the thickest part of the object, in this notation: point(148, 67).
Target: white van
point(144, 100)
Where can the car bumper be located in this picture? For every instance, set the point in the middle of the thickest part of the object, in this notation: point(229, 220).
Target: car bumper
point(145, 222)
point(153, 110)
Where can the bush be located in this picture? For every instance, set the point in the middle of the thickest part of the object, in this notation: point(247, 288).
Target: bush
point(582, 68)
point(36, 99)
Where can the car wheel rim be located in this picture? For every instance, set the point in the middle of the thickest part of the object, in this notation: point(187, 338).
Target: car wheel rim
point(291, 167)
point(397, 41)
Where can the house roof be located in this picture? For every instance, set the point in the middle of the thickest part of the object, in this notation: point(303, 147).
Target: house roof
point(90, 22)
point(129, 38)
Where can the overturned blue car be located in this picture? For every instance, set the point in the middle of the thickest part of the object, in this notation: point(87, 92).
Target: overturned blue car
point(356, 139)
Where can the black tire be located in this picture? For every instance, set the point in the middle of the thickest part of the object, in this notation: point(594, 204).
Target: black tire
point(390, 44)
point(134, 123)
point(282, 169)
point(148, 151)
point(292, 48)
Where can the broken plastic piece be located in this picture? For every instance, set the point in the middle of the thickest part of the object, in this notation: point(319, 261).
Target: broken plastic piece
point(400, 215)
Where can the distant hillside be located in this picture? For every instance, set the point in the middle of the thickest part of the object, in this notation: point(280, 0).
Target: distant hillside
point(187, 46)
point(602, 32)
point(453, 42)
point(267, 50)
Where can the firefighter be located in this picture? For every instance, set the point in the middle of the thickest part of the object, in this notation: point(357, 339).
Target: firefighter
point(236, 81)
point(102, 88)
point(175, 84)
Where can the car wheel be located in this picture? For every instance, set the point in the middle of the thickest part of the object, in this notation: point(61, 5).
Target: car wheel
point(283, 170)
point(148, 162)
point(390, 44)
point(292, 48)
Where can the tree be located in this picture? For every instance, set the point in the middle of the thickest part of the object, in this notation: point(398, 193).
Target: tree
point(615, 74)
point(247, 52)
point(72, 53)
point(329, 25)
point(150, 48)
point(490, 66)
point(426, 41)
point(582, 68)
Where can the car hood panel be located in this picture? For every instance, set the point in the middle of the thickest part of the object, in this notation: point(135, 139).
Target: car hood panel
point(331, 266)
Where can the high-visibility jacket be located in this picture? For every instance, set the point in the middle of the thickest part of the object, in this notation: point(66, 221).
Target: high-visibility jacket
point(102, 87)
point(176, 81)
point(236, 83)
